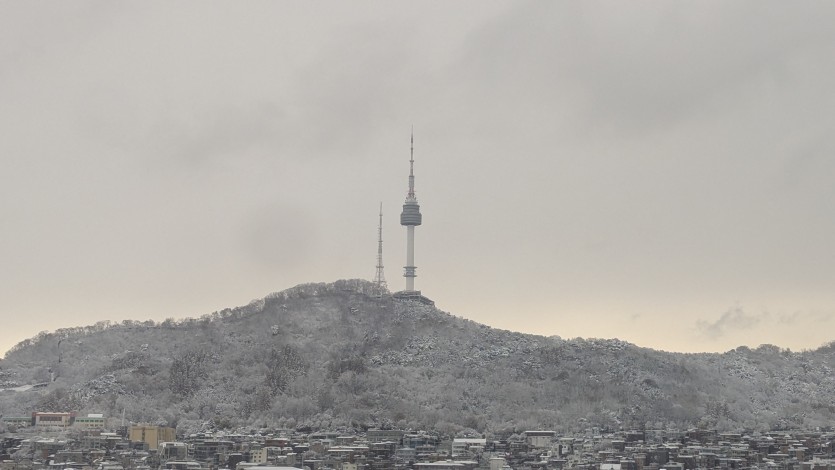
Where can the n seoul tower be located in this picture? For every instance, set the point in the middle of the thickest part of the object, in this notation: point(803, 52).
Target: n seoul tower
point(411, 218)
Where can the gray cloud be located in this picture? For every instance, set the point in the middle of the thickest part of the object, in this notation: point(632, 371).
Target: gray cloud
point(635, 70)
point(814, 318)
point(732, 321)
point(280, 238)
point(223, 134)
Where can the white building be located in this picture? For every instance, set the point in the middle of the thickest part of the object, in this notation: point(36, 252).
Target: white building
point(464, 446)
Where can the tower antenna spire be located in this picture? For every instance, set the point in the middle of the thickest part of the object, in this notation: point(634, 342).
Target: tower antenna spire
point(379, 278)
point(412, 165)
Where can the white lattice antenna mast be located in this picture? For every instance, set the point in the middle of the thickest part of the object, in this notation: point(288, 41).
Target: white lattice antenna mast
point(380, 277)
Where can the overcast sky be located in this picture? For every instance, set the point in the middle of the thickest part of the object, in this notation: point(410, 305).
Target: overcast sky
point(662, 173)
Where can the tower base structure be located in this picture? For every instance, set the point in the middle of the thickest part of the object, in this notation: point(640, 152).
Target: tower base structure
point(412, 296)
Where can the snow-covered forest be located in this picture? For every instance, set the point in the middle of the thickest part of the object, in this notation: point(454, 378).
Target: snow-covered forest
point(331, 355)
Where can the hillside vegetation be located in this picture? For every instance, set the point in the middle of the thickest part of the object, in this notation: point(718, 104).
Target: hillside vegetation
point(331, 356)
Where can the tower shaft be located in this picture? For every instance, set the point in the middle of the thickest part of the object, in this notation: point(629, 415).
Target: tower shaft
point(409, 269)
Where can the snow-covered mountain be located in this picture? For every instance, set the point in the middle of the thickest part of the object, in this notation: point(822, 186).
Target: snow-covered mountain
point(331, 355)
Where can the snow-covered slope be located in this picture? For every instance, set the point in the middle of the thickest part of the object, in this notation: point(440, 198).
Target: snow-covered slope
point(329, 355)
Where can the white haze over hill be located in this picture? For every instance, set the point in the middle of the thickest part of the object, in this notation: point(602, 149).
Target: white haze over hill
point(660, 174)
